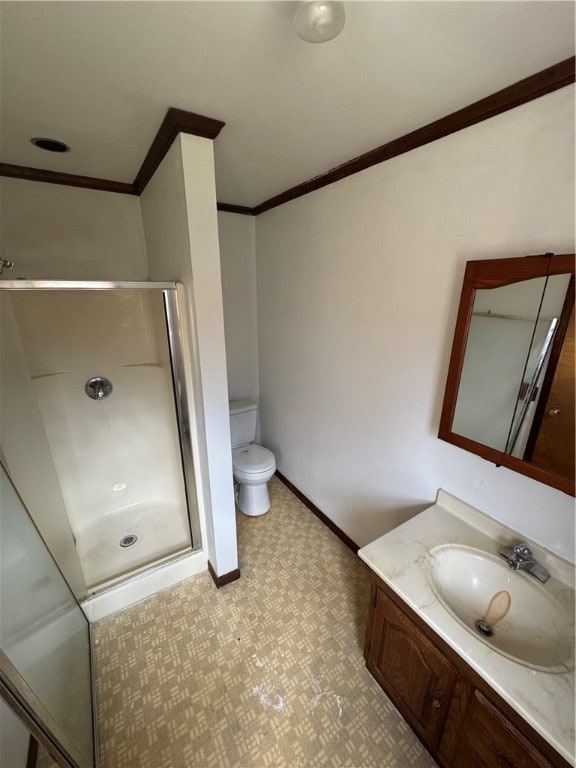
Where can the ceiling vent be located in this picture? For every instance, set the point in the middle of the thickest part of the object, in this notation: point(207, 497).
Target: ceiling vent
point(50, 145)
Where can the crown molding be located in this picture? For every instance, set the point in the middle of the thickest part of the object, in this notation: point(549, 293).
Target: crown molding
point(67, 179)
point(243, 209)
point(178, 121)
point(543, 82)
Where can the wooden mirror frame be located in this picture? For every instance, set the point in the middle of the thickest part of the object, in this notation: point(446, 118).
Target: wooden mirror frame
point(494, 273)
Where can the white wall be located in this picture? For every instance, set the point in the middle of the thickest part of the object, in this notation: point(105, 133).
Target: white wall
point(358, 287)
point(69, 233)
point(238, 266)
point(179, 214)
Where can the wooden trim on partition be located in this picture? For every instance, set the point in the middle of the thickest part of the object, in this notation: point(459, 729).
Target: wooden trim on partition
point(176, 121)
point(546, 81)
point(179, 121)
point(66, 179)
point(229, 208)
point(226, 578)
point(319, 514)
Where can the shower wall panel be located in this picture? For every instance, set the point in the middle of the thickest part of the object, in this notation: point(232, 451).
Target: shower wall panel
point(117, 459)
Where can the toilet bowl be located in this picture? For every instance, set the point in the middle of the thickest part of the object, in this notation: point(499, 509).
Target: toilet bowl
point(252, 464)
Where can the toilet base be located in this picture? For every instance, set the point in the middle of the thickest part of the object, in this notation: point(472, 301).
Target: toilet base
point(254, 500)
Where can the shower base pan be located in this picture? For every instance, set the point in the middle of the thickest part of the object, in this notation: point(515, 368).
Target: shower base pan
point(128, 539)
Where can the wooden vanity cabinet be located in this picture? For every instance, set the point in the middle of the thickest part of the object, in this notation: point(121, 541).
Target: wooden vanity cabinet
point(460, 720)
point(414, 673)
point(489, 740)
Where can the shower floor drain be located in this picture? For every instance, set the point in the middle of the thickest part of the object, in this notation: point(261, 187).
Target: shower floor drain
point(129, 540)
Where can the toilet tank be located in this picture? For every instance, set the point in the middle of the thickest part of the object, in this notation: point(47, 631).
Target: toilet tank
point(243, 416)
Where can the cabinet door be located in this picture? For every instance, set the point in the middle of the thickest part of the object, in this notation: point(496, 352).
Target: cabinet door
point(413, 672)
point(489, 740)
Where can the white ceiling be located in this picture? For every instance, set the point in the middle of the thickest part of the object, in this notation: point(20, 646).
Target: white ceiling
point(101, 75)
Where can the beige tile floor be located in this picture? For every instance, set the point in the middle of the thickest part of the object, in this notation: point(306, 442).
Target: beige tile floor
point(267, 671)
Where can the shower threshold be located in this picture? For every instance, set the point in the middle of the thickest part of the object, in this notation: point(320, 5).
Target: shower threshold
point(120, 593)
point(136, 573)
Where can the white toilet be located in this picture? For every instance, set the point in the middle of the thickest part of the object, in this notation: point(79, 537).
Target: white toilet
point(253, 465)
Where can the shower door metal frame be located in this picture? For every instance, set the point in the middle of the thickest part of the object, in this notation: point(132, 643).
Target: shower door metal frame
point(173, 325)
point(172, 315)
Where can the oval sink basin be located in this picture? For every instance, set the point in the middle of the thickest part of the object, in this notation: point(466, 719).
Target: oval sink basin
point(528, 624)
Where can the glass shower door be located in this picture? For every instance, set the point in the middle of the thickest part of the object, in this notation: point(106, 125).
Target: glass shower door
point(45, 665)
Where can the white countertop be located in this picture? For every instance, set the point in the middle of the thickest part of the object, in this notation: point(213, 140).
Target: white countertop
point(545, 700)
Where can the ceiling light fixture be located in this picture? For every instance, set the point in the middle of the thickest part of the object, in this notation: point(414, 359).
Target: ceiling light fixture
point(317, 21)
point(50, 145)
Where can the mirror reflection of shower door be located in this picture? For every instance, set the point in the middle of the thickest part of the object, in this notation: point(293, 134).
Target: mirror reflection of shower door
point(45, 672)
point(534, 369)
point(496, 356)
point(116, 450)
point(554, 444)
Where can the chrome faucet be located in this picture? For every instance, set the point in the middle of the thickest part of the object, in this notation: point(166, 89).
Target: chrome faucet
point(520, 558)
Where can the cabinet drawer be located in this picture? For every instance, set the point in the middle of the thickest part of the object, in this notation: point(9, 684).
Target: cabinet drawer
point(489, 740)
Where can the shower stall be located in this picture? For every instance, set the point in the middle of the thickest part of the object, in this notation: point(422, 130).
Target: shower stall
point(95, 425)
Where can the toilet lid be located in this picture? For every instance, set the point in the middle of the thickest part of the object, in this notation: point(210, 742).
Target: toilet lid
point(252, 458)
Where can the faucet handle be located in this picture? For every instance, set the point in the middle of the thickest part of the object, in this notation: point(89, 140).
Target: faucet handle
point(523, 551)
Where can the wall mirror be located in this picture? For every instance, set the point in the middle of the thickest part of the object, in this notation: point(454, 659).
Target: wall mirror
point(510, 388)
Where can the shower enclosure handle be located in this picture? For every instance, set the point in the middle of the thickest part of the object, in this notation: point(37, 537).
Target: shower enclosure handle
point(98, 388)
